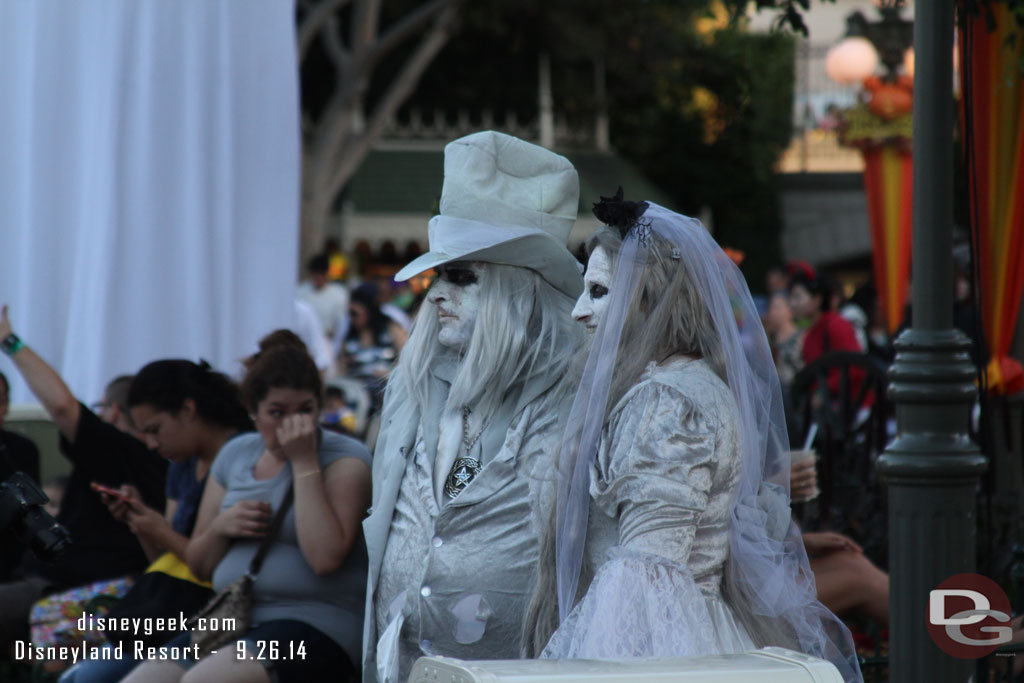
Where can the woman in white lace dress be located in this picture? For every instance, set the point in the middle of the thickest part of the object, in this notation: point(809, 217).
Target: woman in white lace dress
point(672, 534)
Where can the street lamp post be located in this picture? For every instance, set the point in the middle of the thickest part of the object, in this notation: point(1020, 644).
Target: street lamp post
point(890, 35)
point(869, 42)
point(880, 126)
point(932, 467)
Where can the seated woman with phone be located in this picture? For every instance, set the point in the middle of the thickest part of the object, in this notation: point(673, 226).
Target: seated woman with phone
point(186, 412)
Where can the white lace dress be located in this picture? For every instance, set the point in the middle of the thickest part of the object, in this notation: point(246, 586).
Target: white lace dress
point(658, 535)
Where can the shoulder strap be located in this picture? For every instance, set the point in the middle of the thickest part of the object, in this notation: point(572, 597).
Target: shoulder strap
point(275, 527)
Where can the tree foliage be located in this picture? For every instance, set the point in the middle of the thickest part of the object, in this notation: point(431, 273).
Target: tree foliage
point(709, 124)
point(701, 106)
point(789, 12)
point(341, 44)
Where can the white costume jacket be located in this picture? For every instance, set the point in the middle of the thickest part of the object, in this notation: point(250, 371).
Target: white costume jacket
point(458, 576)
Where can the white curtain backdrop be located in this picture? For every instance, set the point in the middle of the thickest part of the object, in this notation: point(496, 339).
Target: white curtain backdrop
point(149, 181)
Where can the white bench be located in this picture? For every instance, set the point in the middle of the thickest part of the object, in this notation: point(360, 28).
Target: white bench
point(767, 665)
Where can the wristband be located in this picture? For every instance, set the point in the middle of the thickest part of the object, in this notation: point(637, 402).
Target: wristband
point(11, 344)
point(310, 473)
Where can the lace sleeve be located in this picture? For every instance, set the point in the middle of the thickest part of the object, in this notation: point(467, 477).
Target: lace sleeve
point(654, 472)
point(640, 605)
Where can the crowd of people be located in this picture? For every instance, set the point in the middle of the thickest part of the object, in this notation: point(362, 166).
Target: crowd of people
point(564, 465)
point(806, 316)
point(355, 337)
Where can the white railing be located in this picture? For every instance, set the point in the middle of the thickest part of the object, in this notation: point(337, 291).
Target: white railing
point(415, 125)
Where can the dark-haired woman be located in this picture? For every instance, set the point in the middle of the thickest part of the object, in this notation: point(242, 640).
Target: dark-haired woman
point(309, 594)
point(186, 412)
point(810, 298)
point(373, 340)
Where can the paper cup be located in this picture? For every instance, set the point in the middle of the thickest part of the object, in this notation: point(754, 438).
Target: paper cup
point(801, 456)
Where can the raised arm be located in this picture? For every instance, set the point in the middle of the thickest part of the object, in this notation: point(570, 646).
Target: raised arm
point(329, 505)
point(329, 509)
point(45, 383)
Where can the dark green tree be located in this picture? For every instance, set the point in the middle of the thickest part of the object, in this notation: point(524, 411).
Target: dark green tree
point(341, 44)
point(701, 106)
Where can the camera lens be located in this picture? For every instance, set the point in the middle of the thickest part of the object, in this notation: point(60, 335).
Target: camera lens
point(42, 533)
point(22, 514)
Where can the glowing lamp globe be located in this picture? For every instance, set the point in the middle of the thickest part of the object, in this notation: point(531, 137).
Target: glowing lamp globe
point(908, 61)
point(851, 61)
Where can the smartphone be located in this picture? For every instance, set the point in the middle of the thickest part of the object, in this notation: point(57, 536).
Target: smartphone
point(100, 488)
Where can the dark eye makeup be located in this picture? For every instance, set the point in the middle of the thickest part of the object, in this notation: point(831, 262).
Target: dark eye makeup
point(597, 291)
point(460, 277)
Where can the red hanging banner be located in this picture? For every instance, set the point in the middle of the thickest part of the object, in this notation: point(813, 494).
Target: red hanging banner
point(881, 128)
point(993, 112)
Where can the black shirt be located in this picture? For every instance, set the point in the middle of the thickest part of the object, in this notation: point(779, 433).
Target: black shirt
point(103, 547)
point(17, 454)
point(21, 456)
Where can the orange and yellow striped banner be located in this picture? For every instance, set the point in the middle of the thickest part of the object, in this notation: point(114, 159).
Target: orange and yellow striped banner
point(994, 100)
point(889, 183)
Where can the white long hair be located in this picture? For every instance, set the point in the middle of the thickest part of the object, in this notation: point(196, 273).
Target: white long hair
point(524, 330)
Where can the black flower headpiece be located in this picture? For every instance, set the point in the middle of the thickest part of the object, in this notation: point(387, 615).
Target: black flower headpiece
point(619, 213)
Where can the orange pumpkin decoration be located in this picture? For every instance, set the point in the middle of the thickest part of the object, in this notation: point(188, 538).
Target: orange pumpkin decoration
point(890, 100)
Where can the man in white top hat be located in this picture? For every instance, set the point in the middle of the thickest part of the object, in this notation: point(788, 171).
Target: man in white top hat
point(470, 422)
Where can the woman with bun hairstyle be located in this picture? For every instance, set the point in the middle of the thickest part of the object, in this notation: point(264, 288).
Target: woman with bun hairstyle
point(309, 593)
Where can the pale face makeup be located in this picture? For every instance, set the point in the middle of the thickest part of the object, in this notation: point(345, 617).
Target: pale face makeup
point(597, 281)
point(456, 293)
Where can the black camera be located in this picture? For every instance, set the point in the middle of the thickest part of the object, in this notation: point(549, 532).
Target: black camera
point(22, 514)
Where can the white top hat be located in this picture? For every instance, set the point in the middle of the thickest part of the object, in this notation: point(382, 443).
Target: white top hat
point(505, 201)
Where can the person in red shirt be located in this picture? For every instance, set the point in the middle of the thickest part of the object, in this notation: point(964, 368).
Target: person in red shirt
point(810, 298)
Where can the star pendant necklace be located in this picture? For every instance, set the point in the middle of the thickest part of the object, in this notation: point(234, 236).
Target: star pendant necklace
point(466, 468)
